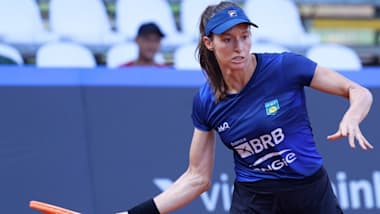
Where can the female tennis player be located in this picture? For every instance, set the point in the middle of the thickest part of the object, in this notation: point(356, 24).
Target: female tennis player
point(256, 104)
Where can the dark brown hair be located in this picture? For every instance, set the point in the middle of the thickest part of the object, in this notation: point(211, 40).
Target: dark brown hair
point(207, 58)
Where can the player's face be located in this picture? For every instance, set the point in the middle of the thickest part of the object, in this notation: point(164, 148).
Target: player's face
point(149, 45)
point(232, 48)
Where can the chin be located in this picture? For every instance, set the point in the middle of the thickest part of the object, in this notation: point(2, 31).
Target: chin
point(238, 66)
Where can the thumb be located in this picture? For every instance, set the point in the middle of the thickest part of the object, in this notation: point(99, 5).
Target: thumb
point(335, 136)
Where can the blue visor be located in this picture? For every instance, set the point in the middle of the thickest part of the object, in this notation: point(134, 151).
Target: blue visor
point(226, 19)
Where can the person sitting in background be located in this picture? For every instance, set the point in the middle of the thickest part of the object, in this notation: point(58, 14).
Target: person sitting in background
point(148, 40)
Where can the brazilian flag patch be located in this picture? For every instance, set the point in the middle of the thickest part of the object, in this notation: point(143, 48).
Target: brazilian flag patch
point(272, 107)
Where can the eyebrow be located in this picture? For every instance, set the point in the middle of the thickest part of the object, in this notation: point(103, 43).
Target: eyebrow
point(229, 34)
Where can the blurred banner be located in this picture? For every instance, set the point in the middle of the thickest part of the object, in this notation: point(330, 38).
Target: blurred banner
point(101, 141)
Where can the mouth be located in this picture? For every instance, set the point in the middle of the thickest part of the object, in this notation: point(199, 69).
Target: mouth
point(238, 59)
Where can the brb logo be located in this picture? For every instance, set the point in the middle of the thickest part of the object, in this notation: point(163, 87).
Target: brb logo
point(246, 148)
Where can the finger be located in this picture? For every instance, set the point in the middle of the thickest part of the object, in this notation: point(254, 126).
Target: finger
point(335, 136)
point(370, 146)
point(364, 143)
point(351, 139)
point(361, 140)
point(343, 130)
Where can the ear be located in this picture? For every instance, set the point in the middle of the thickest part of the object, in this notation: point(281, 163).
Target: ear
point(208, 43)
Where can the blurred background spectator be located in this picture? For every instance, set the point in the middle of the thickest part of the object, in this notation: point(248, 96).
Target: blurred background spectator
point(148, 40)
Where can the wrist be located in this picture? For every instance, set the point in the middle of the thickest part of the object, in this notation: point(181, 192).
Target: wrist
point(146, 207)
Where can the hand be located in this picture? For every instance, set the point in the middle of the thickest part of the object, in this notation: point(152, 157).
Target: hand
point(350, 128)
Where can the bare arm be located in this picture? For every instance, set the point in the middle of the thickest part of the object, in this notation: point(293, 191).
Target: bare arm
point(196, 178)
point(360, 100)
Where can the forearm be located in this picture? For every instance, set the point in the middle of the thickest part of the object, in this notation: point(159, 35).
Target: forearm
point(191, 184)
point(187, 187)
point(360, 103)
point(183, 191)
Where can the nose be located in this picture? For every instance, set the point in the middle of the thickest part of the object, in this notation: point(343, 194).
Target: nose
point(238, 45)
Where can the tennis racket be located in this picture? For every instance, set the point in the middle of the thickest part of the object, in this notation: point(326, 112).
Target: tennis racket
point(47, 208)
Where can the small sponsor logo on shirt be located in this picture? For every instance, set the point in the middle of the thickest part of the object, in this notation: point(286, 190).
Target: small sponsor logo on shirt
point(223, 127)
point(272, 107)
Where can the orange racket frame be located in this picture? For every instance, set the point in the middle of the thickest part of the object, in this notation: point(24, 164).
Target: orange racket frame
point(47, 208)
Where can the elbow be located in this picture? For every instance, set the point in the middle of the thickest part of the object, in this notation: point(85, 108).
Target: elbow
point(203, 184)
point(200, 182)
point(206, 185)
